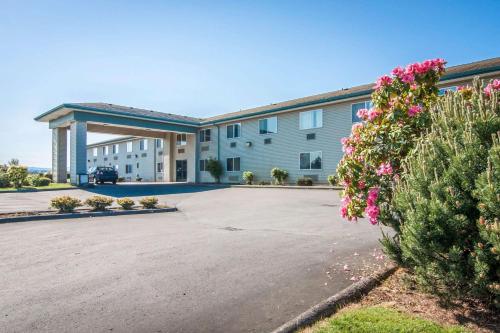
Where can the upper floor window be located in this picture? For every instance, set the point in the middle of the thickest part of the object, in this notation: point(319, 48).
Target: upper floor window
point(311, 119)
point(443, 91)
point(116, 148)
point(358, 106)
point(233, 164)
point(94, 151)
point(311, 161)
point(105, 150)
point(233, 131)
point(143, 144)
point(205, 135)
point(181, 139)
point(129, 146)
point(268, 125)
point(159, 143)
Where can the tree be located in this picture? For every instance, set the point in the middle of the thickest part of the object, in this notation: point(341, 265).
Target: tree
point(214, 167)
point(17, 175)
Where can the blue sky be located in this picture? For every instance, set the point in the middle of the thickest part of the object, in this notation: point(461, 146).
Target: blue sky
point(207, 58)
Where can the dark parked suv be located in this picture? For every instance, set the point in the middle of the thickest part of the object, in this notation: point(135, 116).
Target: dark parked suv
point(103, 174)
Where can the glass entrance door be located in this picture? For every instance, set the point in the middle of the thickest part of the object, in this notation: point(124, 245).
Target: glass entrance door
point(180, 170)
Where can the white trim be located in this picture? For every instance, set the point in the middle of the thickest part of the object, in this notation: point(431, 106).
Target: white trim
point(309, 152)
point(308, 111)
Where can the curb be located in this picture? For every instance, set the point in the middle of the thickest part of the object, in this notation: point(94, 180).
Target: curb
point(332, 304)
point(290, 187)
point(64, 216)
point(42, 190)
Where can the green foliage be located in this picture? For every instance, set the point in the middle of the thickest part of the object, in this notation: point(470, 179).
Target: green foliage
point(65, 203)
point(304, 181)
point(382, 320)
point(4, 180)
point(37, 180)
point(264, 182)
point(149, 202)
point(214, 167)
point(99, 202)
point(445, 209)
point(17, 175)
point(332, 180)
point(126, 203)
point(248, 177)
point(279, 175)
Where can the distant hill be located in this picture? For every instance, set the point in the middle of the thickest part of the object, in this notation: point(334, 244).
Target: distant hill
point(38, 170)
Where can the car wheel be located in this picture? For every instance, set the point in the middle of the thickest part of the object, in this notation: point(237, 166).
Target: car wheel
point(102, 182)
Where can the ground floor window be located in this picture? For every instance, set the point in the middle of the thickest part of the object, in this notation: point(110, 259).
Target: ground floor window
point(203, 165)
point(128, 168)
point(311, 160)
point(233, 164)
point(159, 167)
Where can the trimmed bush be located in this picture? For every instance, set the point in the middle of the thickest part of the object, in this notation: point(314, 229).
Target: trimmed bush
point(304, 181)
point(65, 203)
point(214, 167)
point(99, 202)
point(279, 175)
point(125, 203)
point(332, 180)
point(37, 180)
point(446, 207)
point(4, 180)
point(17, 175)
point(248, 177)
point(149, 202)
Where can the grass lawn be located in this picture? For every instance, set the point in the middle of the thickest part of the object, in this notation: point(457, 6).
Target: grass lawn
point(52, 186)
point(376, 319)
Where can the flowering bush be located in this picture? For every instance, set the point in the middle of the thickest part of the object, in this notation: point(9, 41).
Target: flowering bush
point(125, 203)
point(65, 204)
point(279, 175)
point(374, 150)
point(99, 202)
point(149, 202)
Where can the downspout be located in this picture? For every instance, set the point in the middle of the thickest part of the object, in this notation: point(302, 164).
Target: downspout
point(154, 158)
point(218, 142)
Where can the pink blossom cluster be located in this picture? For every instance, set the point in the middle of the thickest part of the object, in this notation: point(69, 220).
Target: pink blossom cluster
point(343, 208)
point(372, 210)
point(414, 110)
point(384, 169)
point(495, 85)
point(384, 80)
point(407, 75)
point(347, 147)
point(373, 113)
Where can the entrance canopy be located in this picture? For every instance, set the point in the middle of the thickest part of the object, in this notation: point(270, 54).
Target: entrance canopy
point(81, 118)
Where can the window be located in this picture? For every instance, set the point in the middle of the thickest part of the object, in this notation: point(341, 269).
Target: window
point(137, 165)
point(233, 131)
point(105, 150)
point(128, 168)
point(358, 106)
point(116, 167)
point(310, 161)
point(205, 135)
point(181, 139)
point(159, 167)
point(129, 146)
point(203, 165)
point(116, 148)
point(233, 164)
point(159, 143)
point(311, 119)
point(268, 125)
point(443, 91)
point(94, 151)
point(143, 144)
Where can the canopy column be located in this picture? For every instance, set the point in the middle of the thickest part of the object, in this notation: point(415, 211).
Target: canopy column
point(78, 150)
point(59, 154)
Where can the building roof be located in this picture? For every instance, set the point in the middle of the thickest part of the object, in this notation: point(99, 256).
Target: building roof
point(454, 72)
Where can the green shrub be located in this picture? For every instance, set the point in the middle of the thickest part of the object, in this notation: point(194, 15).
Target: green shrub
point(446, 207)
point(99, 202)
point(214, 167)
point(121, 179)
point(37, 180)
point(48, 175)
point(248, 177)
point(304, 181)
point(126, 203)
point(279, 175)
point(17, 175)
point(149, 202)
point(4, 180)
point(264, 182)
point(332, 180)
point(65, 204)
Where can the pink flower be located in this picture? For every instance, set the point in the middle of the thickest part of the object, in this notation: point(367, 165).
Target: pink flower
point(398, 71)
point(361, 185)
point(362, 114)
point(349, 150)
point(372, 196)
point(495, 85)
point(343, 208)
point(384, 169)
point(372, 212)
point(414, 110)
point(373, 113)
point(344, 141)
point(408, 78)
point(356, 127)
point(384, 80)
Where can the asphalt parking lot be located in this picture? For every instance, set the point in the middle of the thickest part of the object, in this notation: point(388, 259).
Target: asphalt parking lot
point(231, 260)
